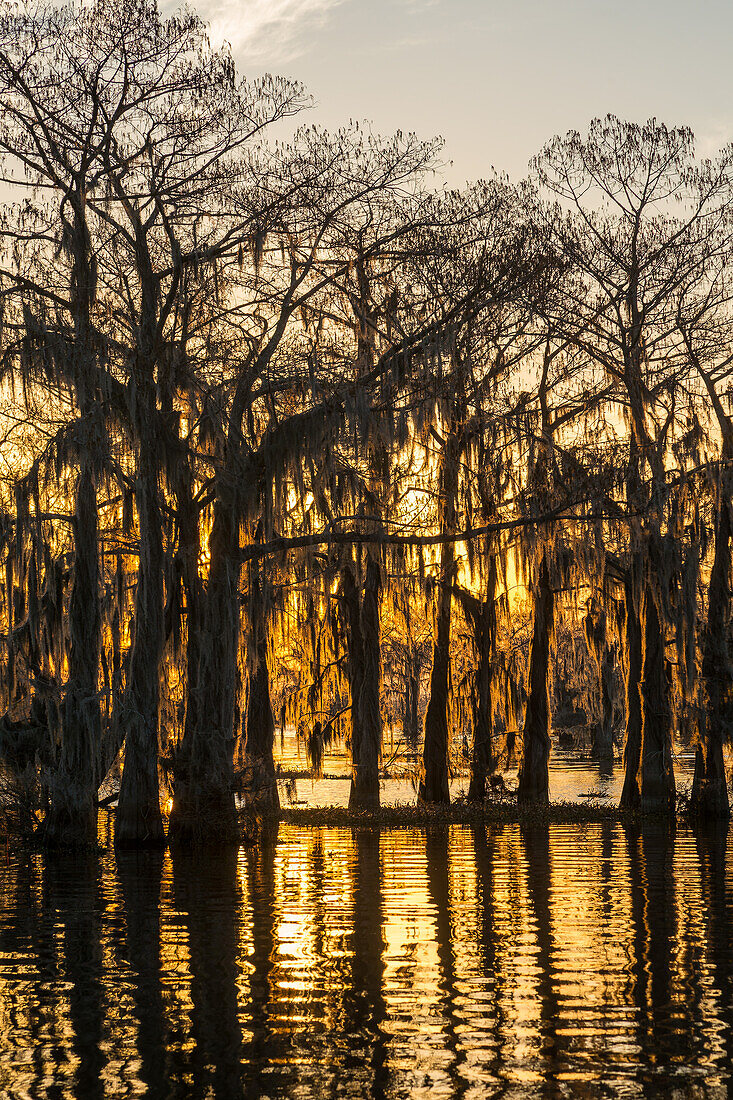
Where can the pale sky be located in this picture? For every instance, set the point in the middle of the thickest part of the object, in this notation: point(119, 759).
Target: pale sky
point(494, 78)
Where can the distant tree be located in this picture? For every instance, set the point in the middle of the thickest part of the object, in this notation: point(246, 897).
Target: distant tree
point(633, 221)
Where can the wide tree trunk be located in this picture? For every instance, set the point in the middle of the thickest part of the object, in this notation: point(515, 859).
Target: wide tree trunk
point(657, 771)
point(657, 789)
point(72, 816)
point(410, 717)
point(484, 625)
point(258, 764)
point(710, 788)
point(602, 749)
point(138, 819)
point(189, 542)
point(631, 793)
point(534, 779)
point(434, 784)
point(600, 651)
point(364, 669)
point(203, 795)
point(73, 787)
point(365, 777)
point(351, 601)
point(434, 779)
point(482, 754)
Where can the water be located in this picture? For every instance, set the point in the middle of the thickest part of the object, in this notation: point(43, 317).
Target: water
point(580, 961)
point(572, 779)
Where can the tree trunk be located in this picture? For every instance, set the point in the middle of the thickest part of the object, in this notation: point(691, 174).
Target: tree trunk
point(434, 780)
point(631, 793)
point(189, 542)
point(534, 780)
point(657, 773)
point(657, 790)
point(72, 816)
point(603, 737)
point(595, 634)
point(484, 625)
point(364, 791)
point(482, 755)
point(260, 789)
point(203, 796)
point(434, 787)
point(364, 671)
point(410, 720)
point(138, 819)
point(709, 788)
point(354, 657)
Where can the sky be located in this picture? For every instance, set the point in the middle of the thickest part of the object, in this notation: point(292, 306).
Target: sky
point(495, 78)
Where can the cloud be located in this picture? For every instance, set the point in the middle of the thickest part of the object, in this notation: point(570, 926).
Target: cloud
point(418, 7)
point(273, 31)
point(712, 136)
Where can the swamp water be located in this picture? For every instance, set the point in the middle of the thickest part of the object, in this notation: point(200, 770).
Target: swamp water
point(454, 962)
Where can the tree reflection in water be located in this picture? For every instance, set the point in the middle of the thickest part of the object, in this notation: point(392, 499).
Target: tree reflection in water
point(71, 899)
point(536, 843)
point(139, 872)
point(207, 894)
point(262, 1051)
point(330, 962)
point(364, 1002)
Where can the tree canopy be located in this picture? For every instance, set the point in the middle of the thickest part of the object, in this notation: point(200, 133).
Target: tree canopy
point(293, 435)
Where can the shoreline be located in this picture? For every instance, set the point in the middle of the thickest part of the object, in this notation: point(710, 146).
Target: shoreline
point(499, 812)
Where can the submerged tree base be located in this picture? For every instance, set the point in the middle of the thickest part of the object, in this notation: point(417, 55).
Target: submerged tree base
point(501, 811)
point(709, 797)
point(63, 828)
point(364, 797)
point(141, 827)
point(249, 829)
point(203, 821)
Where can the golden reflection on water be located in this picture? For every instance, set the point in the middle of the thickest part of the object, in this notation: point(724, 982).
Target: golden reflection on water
point(461, 962)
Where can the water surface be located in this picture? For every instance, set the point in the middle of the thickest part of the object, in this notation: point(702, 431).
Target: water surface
point(458, 962)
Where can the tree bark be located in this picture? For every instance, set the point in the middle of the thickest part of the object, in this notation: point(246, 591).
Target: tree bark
point(534, 780)
point(410, 718)
point(657, 772)
point(364, 671)
point(203, 798)
point(631, 793)
point(260, 787)
point(434, 786)
point(595, 633)
point(482, 753)
point(72, 816)
point(364, 791)
point(354, 658)
point(138, 819)
point(483, 615)
point(710, 788)
point(656, 768)
point(603, 740)
point(434, 780)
